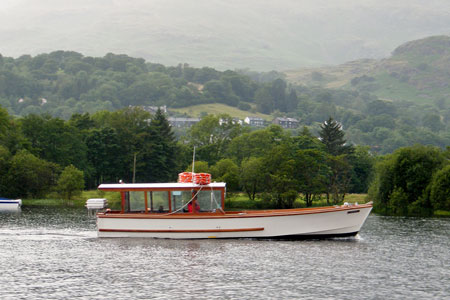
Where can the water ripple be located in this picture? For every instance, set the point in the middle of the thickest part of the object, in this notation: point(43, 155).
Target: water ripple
point(56, 255)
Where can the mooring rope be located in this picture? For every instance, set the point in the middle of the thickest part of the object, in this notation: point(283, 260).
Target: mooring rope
point(182, 207)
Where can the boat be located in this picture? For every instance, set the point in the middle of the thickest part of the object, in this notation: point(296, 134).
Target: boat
point(7, 204)
point(196, 210)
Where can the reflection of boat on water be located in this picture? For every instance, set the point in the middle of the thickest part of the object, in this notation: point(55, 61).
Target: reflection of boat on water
point(7, 204)
point(159, 210)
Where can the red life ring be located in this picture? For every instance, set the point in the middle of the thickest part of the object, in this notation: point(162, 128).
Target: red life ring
point(185, 177)
point(197, 178)
point(202, 178)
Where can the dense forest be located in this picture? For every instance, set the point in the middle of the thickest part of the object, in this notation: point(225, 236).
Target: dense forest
point(134, 146)
point(40, 154)
point(64, 83)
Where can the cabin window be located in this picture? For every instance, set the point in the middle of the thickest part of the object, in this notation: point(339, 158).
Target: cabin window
point(179, 199)
point(137, 201)
point(158, 201)
point(209, 200)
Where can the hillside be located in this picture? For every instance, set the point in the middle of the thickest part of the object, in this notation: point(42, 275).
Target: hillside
point(217, 108)
point(65, 84)
point(62, 83)
point(416, 71)
point(259, 35)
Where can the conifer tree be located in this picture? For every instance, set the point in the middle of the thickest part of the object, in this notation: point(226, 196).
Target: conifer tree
point(339, 177)
point(164, 149)
point(332, 137)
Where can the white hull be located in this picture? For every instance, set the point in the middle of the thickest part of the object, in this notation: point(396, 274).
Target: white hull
point(295, 223)
point(10, 205)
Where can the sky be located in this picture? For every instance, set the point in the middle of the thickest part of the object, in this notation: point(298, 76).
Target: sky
point(260, 35)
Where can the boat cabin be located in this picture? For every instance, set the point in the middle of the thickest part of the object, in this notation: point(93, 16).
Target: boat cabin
point(169, 197)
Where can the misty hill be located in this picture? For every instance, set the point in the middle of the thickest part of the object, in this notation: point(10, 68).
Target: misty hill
point(416, 71)
point(62, 83)
point(259, 35)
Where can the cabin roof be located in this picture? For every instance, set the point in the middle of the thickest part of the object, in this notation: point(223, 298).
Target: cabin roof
point(158, 186)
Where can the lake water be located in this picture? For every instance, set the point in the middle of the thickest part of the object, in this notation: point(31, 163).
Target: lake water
point(55, 254)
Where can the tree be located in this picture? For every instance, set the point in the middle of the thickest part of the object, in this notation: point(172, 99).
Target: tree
point(305, 140)
point(279, 165)
point(278, 91)
point(104, 155)
point(199, 167)
point(206, 74)
point(362, 163)
point(291, 101)
point(251, 176)
point(226, 170)
point(256, 143)
point(383, 184)
point(10, 134)
point(338, 181)
point(242, 86)
point(221, 91)
point(132, 126)
point(82, 121)
point(212, 136)
point(433, 122)
point(4, 123)
point(440, 189)
point(332, 137)
point(264, 100)
point(378, 107)
point(29, 175)
point(147, 145)
point(5, 157)
point(413, 169)
point(162, 156)
point(55, 141)
point(408, 172)
point(311, 173)
point(70, 182)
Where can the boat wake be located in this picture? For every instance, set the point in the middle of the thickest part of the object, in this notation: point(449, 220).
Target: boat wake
point(44, 234)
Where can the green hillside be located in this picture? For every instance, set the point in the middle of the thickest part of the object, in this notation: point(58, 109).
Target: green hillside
point(417, 71)
point(217, 108)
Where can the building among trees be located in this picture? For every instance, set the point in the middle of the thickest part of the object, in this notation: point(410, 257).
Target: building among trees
point(254, 121)
point(286, 122)
point(182, 122)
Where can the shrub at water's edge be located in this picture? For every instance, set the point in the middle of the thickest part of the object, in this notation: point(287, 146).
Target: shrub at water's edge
point(413, 181)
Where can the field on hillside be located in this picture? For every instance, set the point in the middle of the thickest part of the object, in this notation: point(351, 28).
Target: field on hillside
point(217, 108)
point(331, 76)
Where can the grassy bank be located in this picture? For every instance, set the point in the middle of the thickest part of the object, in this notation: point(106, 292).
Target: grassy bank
point(218, 108)
point(441, 213)
point(241, 201)
point(77, 201)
